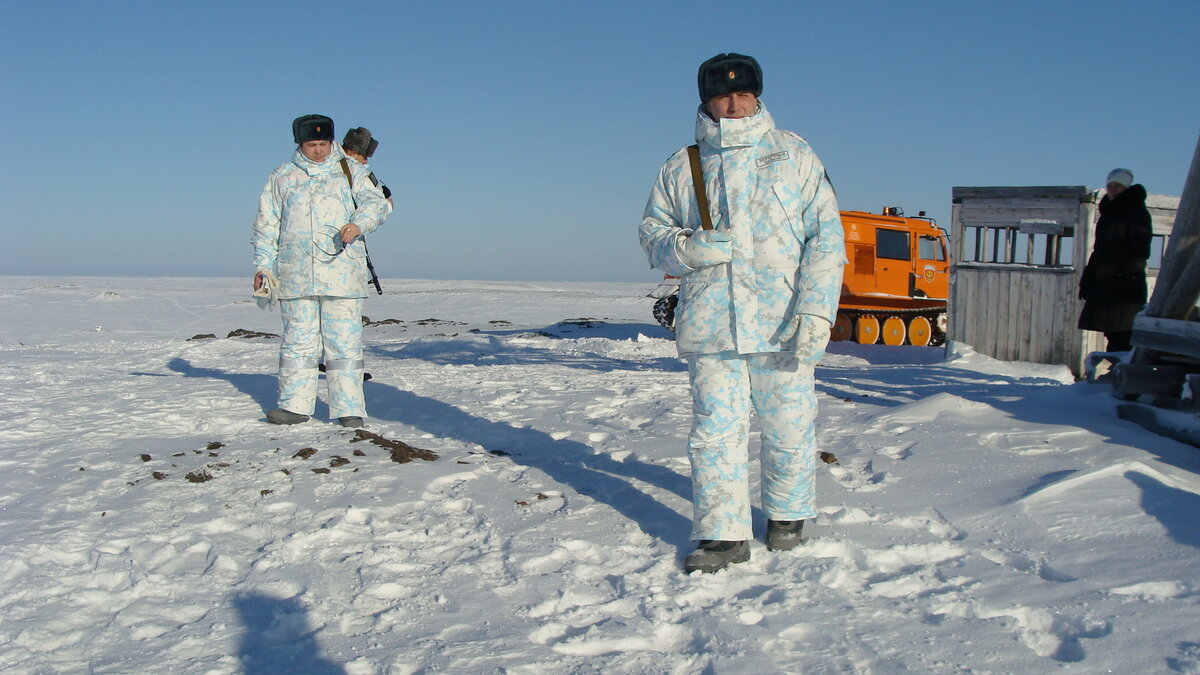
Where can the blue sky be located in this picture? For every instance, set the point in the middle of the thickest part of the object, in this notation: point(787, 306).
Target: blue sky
point(521, 138)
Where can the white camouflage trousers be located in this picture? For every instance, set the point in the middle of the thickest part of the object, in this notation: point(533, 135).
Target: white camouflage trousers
point(308, 324)
point(781, 390)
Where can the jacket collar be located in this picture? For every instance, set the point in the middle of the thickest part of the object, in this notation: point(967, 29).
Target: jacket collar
point(726, 133)
point(312, 168)
point(1133, 197)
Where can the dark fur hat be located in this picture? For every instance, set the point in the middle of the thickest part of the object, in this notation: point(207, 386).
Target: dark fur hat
point(729, 73)
point(312, 128)
point(359, 140)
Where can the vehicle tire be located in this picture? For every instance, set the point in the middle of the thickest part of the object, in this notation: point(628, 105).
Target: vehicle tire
point(866, 330)
point(894, 331)
point(843, 328)
point(920, 331)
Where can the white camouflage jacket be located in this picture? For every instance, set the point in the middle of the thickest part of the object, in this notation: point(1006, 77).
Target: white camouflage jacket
point(767, 187)
point(300, 212)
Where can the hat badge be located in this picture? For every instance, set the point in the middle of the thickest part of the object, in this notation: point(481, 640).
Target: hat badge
point(732, 75)
point(318, 127)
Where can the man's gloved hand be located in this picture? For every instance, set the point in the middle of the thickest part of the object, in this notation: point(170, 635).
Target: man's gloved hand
point(811, 334)
point(266, 288)
point(702, 248)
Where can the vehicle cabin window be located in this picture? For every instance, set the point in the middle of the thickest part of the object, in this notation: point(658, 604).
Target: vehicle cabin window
point(930, 248)
point(891, 244)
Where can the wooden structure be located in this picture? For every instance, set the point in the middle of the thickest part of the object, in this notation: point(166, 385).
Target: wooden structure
point(1018, 255)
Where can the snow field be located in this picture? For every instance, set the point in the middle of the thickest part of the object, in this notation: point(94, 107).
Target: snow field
point(982, 516)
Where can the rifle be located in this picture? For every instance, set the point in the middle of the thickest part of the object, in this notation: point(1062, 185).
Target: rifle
point(374, 280)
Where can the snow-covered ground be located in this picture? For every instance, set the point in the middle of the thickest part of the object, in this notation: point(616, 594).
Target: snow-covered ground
point(984, 516)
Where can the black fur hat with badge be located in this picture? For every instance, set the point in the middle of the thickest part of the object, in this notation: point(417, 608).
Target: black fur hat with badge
point(729, 73)
point(312, 128)
point(358, 140)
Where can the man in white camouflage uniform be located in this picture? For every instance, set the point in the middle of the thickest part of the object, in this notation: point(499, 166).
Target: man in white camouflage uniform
point(308, 237)
point(758, 295)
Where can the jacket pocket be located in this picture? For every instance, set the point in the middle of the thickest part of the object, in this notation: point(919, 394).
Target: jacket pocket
point(777, 217)
point(702, 315)
point(776, 288)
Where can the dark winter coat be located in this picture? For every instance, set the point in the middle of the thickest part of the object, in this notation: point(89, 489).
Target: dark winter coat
point(1113, 285)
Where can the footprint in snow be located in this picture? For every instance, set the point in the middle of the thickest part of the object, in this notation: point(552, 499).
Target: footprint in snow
point(858, 476)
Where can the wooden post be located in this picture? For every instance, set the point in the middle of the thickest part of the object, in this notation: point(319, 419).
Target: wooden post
point(1178, 285)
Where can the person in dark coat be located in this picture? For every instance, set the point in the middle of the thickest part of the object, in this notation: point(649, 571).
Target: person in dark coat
point(1113, 285)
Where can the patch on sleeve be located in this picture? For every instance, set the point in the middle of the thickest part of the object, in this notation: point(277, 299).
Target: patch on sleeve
point(772, 158)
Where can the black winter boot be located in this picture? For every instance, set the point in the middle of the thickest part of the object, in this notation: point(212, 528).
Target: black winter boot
point(281, 416)
point(783, 535)
point(713, 555)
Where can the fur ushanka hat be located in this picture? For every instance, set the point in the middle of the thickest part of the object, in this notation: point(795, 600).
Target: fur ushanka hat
point(359, 140)
point(312, 128)
point(729, 73)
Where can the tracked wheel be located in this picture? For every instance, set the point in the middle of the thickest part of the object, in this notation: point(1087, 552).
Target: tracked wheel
point(920, 331)
point(894, 331)
point(843, 328)
point(866, 330)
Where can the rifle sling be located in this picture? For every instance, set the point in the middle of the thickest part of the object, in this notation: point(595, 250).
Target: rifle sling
point(349, 179)
point(698, 184)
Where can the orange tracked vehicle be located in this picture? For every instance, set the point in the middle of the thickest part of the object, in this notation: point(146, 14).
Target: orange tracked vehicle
point(895, 286)
point(893, 291)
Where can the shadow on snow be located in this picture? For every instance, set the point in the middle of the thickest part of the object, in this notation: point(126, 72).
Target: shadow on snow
point(277, 638)
point(567, 462)
point(487, 347)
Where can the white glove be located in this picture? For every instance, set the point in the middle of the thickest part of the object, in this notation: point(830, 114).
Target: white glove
point(268, 293)
point(811, 334)
point(702, 248)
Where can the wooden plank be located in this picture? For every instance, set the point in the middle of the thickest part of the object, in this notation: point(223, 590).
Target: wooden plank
point(1007, 285)
point(1011, 192)
point(1019, 204)
point(954, 306)
point(967, 319)
point(963, 306)
point(1063, 218)
point(975, 327)
point(1163, 210)
point(987, 304)
point(1163, 202)
point(1039, 328)
point(979, 327)
point(992, 342)
point(1168, 335)
point(958, 236)
point(1162, 226)
point(1066, 335)
point(1018, 317)
point(1034, 287)
point(1057, 349)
